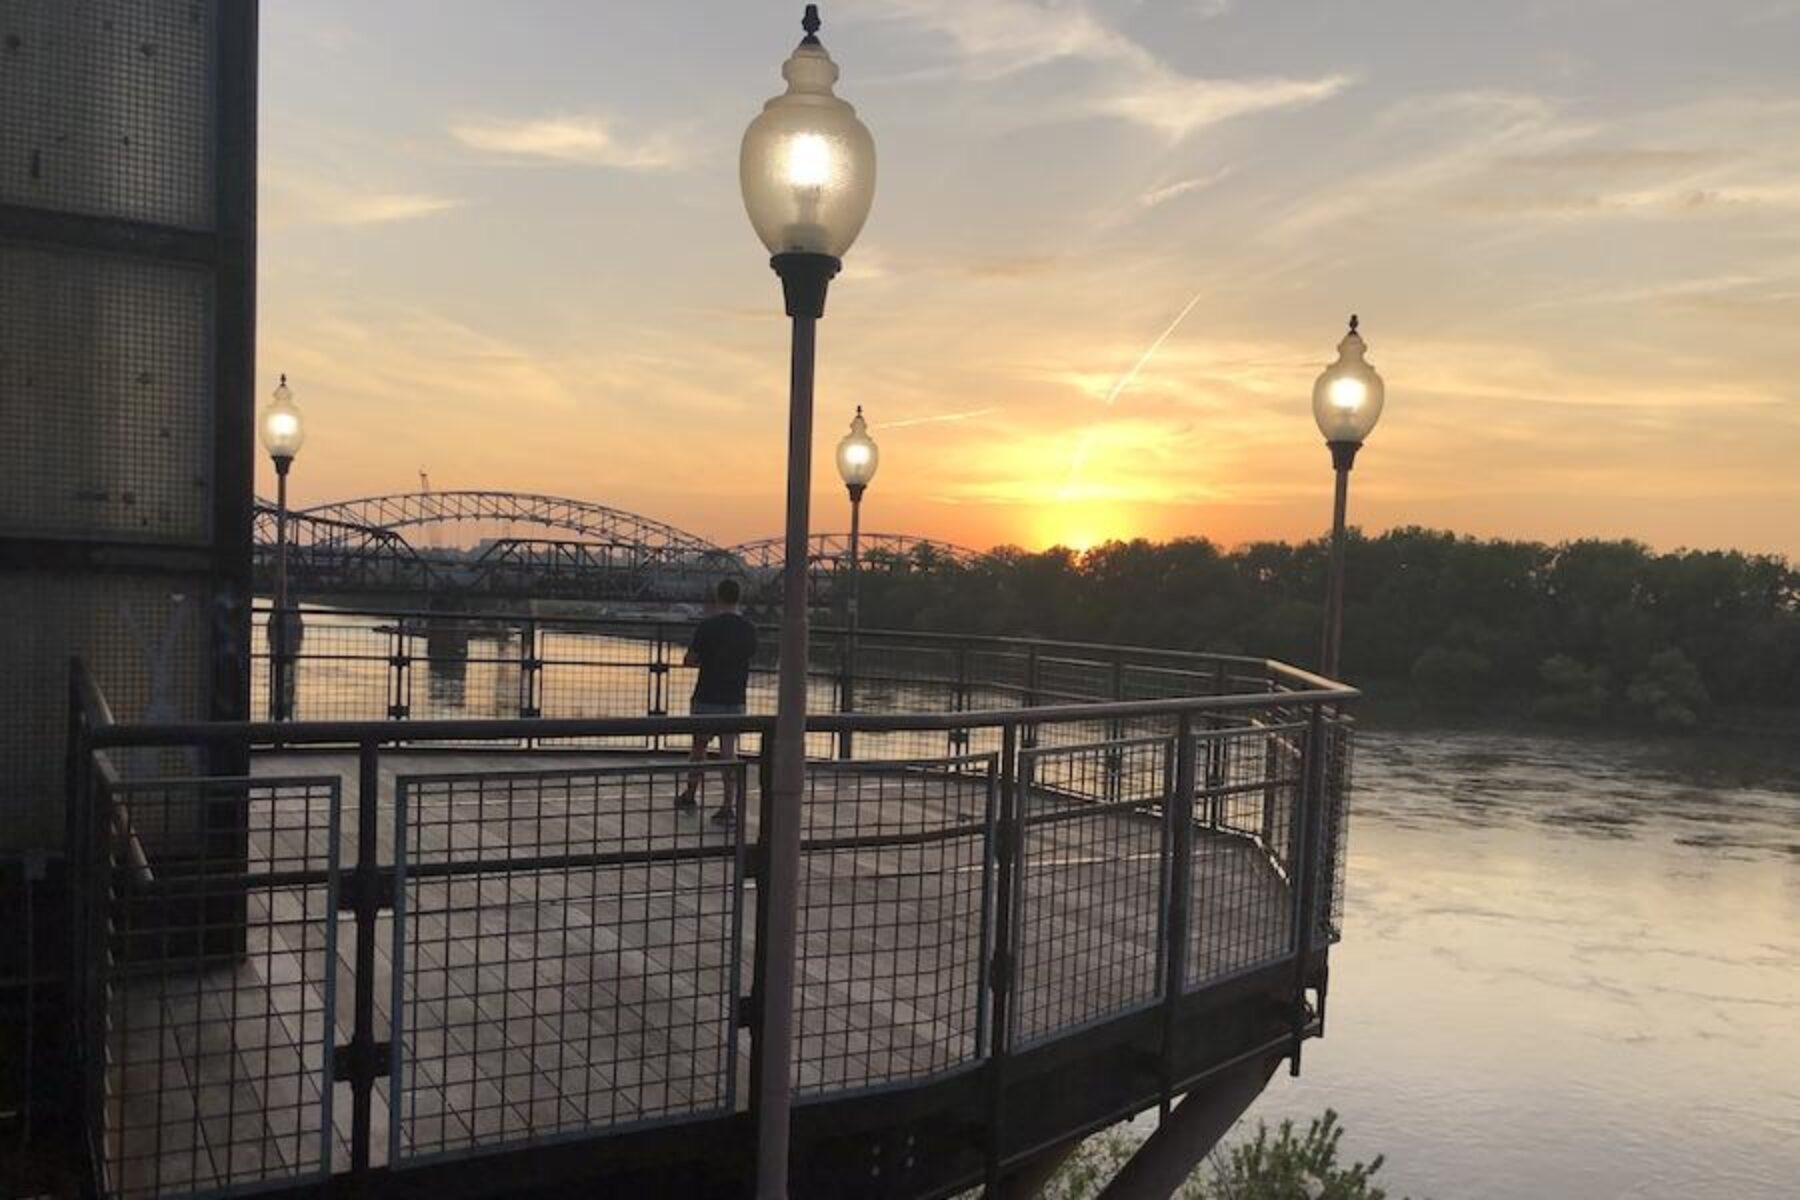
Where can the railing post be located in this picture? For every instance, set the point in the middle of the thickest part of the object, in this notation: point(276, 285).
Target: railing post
point(399, 674)
point(1115, 730)
point(847, 690)
point(658, 682)
point(750, 1015)
point(1272, 801)
point(1215, 752)
point(529, 665)
point(1033, 681)
point(364, 1060)
point(1305, 872)
point(1179, 830)
point(89, 890)
point(959, 700)
point(1008, 843)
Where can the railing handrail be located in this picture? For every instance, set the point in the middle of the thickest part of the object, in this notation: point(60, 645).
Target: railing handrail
point(957, 639)
point(87, 696)
point(161, 733)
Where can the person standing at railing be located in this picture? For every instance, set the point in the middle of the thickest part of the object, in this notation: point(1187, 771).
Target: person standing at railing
point(722, 648)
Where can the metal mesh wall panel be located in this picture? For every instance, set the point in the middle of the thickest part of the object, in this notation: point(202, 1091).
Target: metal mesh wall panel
point(893, 921)
point(1093, 860)
point(127, 161)
point(565, 956)
point(219, 981)
point(144, 638)
point(109, 109)
point(106, 415)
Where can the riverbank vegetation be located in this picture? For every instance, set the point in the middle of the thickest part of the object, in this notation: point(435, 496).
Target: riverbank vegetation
point(1280, 1164)
point(1590, 633)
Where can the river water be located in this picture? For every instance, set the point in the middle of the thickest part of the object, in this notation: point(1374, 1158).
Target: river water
point(1570, 968)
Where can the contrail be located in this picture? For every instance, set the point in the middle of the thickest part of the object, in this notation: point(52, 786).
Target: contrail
point(1125, 379)
point(938, 419)
point(1079, 459)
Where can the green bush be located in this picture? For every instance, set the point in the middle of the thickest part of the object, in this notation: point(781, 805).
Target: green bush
point(1284, 1165)
point(1451, 676)
point(1289, 1167)
point(1572, 691)
point(1669, 691)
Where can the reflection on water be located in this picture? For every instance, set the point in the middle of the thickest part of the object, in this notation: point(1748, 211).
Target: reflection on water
point(1570, 968)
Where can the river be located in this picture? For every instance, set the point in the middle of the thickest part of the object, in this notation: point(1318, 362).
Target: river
point(1570, 968)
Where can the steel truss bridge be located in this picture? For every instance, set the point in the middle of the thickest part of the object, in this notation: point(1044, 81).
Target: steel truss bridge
point(361, 548)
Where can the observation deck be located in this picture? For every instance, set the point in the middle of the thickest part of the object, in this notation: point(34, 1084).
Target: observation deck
point(448, 934)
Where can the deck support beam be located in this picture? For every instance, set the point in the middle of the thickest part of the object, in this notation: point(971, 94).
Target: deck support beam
point(1192, 1129)
point(1027, 1180)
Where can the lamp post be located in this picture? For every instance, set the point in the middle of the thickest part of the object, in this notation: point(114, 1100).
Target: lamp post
point(807, 169)
point(1346, 403)
point(282, 435)
point(857, 458)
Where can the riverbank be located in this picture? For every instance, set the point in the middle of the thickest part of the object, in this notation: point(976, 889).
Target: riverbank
point(1400, 706)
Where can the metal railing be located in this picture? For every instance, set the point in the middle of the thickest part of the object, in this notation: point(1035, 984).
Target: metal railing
point(1035, 840)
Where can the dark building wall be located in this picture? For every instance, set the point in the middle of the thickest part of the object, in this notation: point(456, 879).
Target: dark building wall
point(127, 223)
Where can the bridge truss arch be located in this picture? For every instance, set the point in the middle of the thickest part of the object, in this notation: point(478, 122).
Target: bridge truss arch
point(588, 520)
point(828, 553)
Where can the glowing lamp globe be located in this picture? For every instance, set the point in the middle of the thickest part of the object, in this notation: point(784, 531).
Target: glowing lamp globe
point(857, 454)
point(807, 165)
point(1347, 397)
point(280, 427)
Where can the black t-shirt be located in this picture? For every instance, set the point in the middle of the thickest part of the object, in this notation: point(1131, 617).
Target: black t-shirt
point(724, 645)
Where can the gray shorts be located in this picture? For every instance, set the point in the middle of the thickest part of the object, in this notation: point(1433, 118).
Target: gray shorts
point(701, 708)
point(727, 741)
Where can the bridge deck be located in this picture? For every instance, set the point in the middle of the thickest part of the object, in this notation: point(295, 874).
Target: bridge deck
point(568, 999)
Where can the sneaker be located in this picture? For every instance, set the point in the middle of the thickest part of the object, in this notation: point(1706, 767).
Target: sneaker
point(724, 817)
point(684, 799)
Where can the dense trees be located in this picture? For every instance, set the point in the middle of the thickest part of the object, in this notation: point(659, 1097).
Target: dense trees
point(1582, 631)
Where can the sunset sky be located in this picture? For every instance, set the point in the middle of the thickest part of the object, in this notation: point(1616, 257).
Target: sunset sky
point(504, 242)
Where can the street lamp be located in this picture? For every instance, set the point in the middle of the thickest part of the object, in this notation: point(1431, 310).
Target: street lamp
point(857, 458)
point(1346, 404)
point(282, 436)
point(807, 168)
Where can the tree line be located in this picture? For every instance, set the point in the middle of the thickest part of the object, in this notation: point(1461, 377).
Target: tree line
point(1582, 631)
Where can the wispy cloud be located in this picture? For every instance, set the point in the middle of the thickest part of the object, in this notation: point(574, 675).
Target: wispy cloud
point(999, 38)
point(938, 418)
point(572, 140)
point(1181, 187)
point(1177, 104)
point(293, 199)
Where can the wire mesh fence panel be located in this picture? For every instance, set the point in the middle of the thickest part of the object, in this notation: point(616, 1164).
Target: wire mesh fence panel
point(1091, 881)
point(466, 667)
point(342, 664)
point(1247, 795)
point(217, 975)
point(593, 672)
point(895, 889)
point(1001, 672)
point(1066, 680)
point(567, 954)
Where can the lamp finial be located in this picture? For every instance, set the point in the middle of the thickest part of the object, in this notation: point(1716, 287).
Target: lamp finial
point(810, 23)
point(1353, 322)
